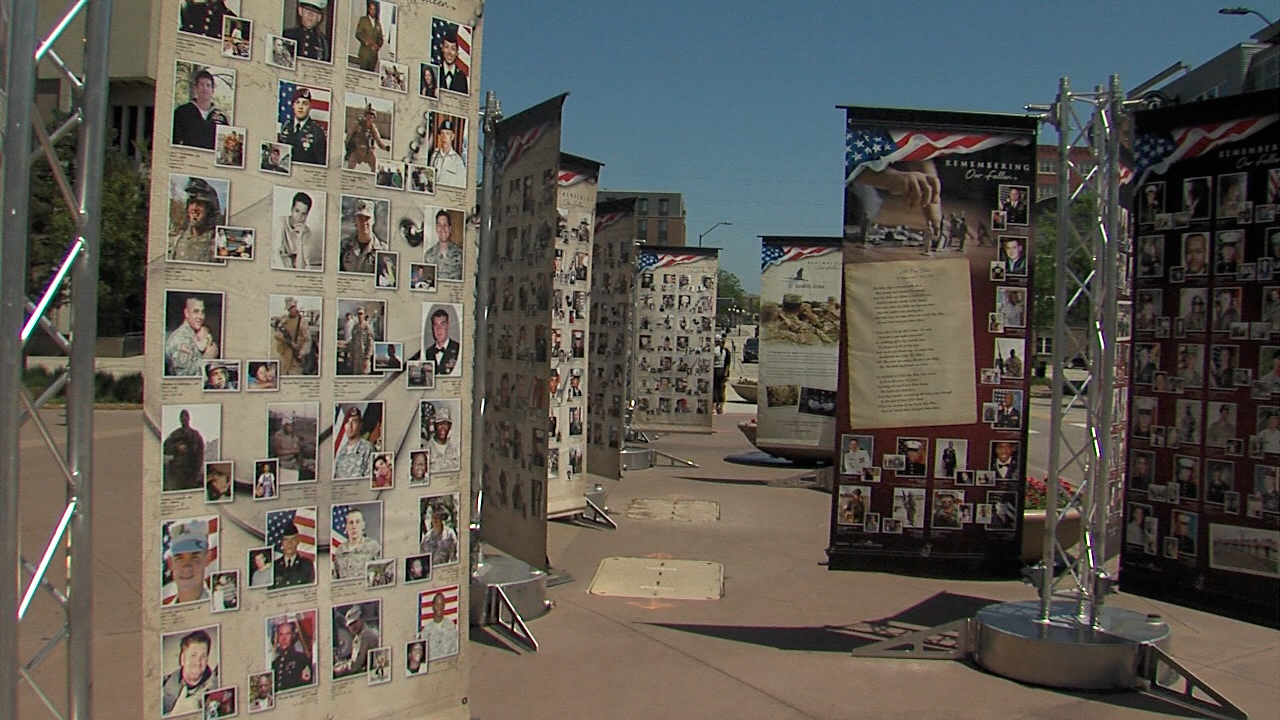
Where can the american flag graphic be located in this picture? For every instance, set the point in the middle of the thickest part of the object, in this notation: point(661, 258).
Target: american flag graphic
point(874, 148)
point(169, 590)
point(778, 254)
point(650, 260)
point(320, 101)
point(426, 612)
point(439, 29)
point(605, 220)
point(571, 177)
point(1156, 151)
point(305, 519)
point(516, 145)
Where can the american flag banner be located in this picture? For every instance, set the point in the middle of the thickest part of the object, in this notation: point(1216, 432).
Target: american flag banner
point(517, 145)
point(441, 27)
point(169, 590)
point(778, 254)
point(305, 520)
point(573, 177)
point(604, 220)
point(876, 148)
point(321, 99)
point(1156, 151)
point(426, 606)
point(651, 260)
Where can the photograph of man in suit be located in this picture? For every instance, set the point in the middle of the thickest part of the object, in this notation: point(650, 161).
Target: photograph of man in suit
point(442, 349)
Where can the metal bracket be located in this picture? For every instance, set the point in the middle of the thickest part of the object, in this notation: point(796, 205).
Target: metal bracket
point(949, 641)
point(593, 513)
point(1155, 661)
point(508, 620)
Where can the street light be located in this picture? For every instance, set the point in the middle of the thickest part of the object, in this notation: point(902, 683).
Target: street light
point(708, 231)
point(1240, 10)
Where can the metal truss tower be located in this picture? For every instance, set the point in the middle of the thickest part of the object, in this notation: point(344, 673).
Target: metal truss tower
point(27, 141)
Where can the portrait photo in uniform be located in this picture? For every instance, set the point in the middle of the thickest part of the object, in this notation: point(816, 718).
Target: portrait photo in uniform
point(451, 52)
point(367, 131)
point(440, 433)
point(356, 629)
point(191, 435)
point(442, 334)
point(275, 158)
point(357, 437)
point(204, 18)
point(204, 97)
point(291, 535)
point(310, 23)
point(355, 538)
point(221, 376)
point(190, 666)
point(197, 206)
point(447, 140)
point(951, 455)
point(281, 52)
point(1010, 357)
point(302, 121)
point(1005, 459)
point(298, 229)
point(365, 230)
point(189, 559)
point(443, 238)
point(294, 333)
point(292, 643)
point(438, 528)
point(360, 324)
point(372, 34)
point(1015, 203)
point(293, 434)
point(438, 622)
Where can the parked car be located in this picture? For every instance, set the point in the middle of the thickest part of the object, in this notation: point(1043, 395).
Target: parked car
point(751, 350)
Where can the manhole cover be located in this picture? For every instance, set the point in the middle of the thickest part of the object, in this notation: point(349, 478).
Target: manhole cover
point(659, 578)
point(678, 510)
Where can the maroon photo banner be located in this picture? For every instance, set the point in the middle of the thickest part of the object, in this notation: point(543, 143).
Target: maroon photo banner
point(1202, 506)
point(932, 396)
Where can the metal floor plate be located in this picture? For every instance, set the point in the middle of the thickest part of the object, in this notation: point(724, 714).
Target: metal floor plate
point(659, 578)
point(678, 510)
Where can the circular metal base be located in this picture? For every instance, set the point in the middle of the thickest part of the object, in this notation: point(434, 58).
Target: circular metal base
point(525, 585)
point(1062, 653)
point(637, 458)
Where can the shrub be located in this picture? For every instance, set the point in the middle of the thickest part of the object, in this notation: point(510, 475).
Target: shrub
point(1036, 497)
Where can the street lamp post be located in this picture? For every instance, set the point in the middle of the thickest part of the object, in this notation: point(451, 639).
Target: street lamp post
point(708, 231)
point(1240, 10)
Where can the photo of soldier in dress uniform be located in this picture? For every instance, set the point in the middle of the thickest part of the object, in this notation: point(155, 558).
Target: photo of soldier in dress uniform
point(373, 34)
point(447, 140)
point(309, 23)
point(204, 97)
point(451, 51)
point(193, 331)
point(295, 333)
point(298, 229)
point(302, 121)
point(365, 229)
point(204, 17)
point(442, 335)
point(197, 206)
point(291, 645)
point(355, 538)
point(357, 437)
point(368, 126)
point(360, 324)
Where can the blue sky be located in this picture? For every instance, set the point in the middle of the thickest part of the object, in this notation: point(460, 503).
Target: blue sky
point(733, 103)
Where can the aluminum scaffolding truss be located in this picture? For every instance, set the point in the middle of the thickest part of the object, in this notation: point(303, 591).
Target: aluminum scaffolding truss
point(27, 141)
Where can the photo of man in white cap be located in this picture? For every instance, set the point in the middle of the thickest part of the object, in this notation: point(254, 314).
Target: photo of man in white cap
point(186, 562)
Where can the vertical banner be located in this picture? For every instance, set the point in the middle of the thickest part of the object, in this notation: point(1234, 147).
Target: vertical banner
point(522, 336)
point(932, 410)
point(799, 345)
point(1202, 501)
point(675, 332)
point(310, 344)
point(570, 386)
point(613, 251)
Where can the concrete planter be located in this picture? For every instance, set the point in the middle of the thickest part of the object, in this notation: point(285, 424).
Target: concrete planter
point(1033, 528)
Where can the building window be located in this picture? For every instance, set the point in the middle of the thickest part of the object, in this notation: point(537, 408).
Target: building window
point(662, 231)
point(664, 206)
point(642, 206)
point(1049, 167)
point(642, 227)
point(1046, 191)
point(1044, 345)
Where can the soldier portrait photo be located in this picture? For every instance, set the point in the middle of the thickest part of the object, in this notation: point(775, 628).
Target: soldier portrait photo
point(205, 17)
point(442, 335)
point(355, 538)
point(197, 206)
point(357, 437)
point(190, 661)
point(444, 242)
point(191, 435)
point(291, 647)
point(204, 97)
point(295, 333)
point(447, 153)
point(373, 34)
point(298, 229)
point(441, 433)
point(189, 548)
point(451, 52)
point(309, 23)
point(357, 629)
point(193, 326)
point(291, 535)
point(293, 432)
point(368, 127)
point(302, 121)
point(282, 52)
point(275, 158)
point(360, 324)
point(365, 229)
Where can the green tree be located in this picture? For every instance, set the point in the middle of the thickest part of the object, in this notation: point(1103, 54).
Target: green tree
point(731, 294)
point(1079, 262)
point(122, 260)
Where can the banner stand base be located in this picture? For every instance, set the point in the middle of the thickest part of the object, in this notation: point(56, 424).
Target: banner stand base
point(1127, 651)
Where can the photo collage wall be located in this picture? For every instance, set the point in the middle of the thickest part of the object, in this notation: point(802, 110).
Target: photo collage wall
point(527, 314)
point(613, 251)
point(932, 402)
point(312, 249)
point(671, 367)
point(799, 344)
point(1202, 502)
